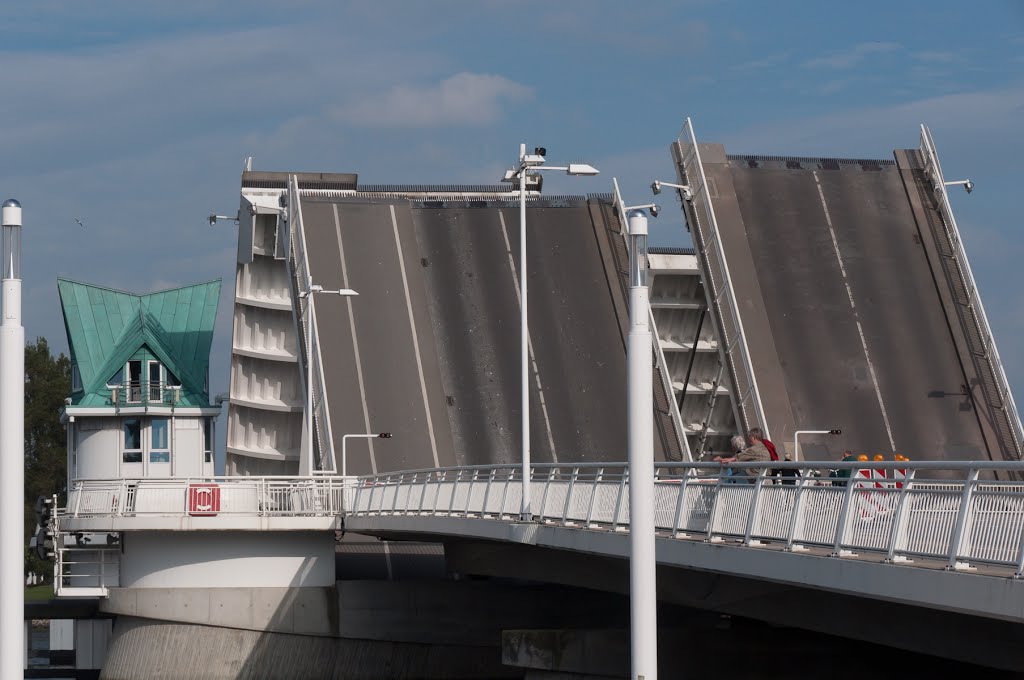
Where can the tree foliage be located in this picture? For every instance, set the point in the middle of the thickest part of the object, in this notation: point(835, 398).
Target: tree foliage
point(47, 383)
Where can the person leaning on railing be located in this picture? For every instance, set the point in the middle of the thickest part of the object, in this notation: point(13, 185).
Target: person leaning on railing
point(757, 452)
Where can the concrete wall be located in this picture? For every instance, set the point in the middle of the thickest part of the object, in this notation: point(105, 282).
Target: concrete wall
point(173, 651)
point(227, 559)
point(99, 448)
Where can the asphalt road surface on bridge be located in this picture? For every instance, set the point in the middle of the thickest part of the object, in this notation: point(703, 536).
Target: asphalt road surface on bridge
point(832, 254)
point(429, 350)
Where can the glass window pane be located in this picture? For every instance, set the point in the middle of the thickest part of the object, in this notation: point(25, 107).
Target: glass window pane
point(172, 380)
point(159, 456)
point(159, 429)
point(135, 381)
point(117, 378)
point(132, 434)
point(208, 439)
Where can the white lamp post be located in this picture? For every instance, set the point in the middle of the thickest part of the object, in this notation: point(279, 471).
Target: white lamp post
point(344, 446)
point(307, 295)
point(643, 597)
point(527, 164)
point(12, 450)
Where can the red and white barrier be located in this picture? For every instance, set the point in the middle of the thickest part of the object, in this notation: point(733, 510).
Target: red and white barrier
point(899, 475)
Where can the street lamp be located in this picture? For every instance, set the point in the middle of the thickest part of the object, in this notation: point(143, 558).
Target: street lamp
point(529, 163)
point(967, 184)
point(684, 190)
point(643, 599)
point(344, 446)
point(796, 439)
point(307, 295)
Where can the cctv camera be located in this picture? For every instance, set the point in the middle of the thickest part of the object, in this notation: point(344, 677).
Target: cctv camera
point(212, 219)
point(655, 209)
point(969, 185)
point(655, 188)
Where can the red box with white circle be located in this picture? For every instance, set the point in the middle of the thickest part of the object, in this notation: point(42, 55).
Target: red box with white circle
point(203, 500)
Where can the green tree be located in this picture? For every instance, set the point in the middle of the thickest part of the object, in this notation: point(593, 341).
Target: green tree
point(47, 383)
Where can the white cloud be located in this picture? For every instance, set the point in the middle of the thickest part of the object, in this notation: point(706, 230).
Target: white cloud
point(985, 114)
point(463, 99)
point(936, 56)
point(847, 59)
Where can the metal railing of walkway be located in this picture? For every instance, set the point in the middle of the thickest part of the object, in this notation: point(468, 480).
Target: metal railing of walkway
point(953, 512)
point(957, 513)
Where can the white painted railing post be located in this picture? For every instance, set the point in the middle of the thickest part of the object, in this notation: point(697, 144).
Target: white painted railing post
point(713, 510)
point(901, 521)
point(958, 536)
point(540, 514)
point(754, 505)
point(844, 513)
point(797, 516)
point(679, 505)
point(469, 494)
point(620, 498)
point(398, 488)
point(568, 495)
point(487, 493)
point(455, 486)
point(504, 492)
point(373, 491)
point(1019, 571)
point(596, 484)
point(78, 497)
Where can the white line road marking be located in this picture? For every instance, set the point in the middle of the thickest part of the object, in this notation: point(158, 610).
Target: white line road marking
point(856, 315)
point(529, 341)
point(415, 339)
point(355, 342)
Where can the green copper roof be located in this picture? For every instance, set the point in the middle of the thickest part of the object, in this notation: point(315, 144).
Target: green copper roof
point(107, 327)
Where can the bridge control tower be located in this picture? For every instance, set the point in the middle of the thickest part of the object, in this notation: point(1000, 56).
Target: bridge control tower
point(139, 404)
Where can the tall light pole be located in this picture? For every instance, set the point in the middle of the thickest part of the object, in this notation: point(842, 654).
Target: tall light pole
point(12, 450)
point(307, 295)
point(643, 597)
point(529, 163)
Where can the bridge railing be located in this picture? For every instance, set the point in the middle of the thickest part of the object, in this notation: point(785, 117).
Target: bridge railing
point(210, 496)
point(957, 513)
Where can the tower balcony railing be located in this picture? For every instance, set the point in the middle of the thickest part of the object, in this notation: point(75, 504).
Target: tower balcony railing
point(151, 393)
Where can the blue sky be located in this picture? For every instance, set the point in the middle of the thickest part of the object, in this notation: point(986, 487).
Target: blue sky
point(137, 118)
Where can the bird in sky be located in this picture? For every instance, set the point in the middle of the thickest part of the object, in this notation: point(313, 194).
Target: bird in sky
point(79, 221)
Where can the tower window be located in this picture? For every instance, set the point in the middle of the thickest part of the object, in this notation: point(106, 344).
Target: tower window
point(132, 440)
point(159, 449)
point(208, 440)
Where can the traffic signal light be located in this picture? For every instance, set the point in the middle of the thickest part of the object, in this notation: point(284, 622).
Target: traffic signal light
point(43, 539)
